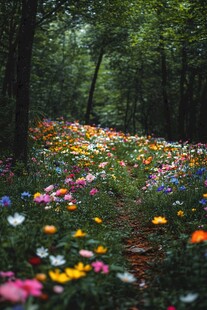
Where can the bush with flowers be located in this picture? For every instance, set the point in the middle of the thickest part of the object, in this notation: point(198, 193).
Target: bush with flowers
point(62, 240)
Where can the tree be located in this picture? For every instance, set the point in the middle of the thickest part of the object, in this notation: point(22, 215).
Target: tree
point(25, 42)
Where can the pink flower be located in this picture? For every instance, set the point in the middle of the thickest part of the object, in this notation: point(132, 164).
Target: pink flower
point(49, 188)
point(171, 308)
point(58, 289)
point(42, 198)
point(68, 197)
point(86, 253)
point(122, 163)
point(90, 177)
point(6, 274)
point(81, 182)
point(103, 164)
point(99, 266)
point(93, 191)
point(11, 292)
point(205, 183)
point(31, 287)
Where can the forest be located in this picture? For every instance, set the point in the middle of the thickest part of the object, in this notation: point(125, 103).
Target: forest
point(103, 154)
point(137, 66)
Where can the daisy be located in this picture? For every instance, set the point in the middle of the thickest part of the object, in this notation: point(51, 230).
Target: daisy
point(126, 277)
point(16, 219)
point(42, 252)
point(57, 260)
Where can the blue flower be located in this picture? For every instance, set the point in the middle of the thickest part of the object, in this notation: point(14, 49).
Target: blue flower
point(58, 170)
point(25, 195)
point(203, 201)
point(18, 307)
point(182, 188)
point(174, 180)
point(200, 171)
point(5, 201)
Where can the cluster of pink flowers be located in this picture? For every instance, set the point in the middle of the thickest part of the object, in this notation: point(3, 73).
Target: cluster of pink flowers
point(20, 290)
point(99, 266)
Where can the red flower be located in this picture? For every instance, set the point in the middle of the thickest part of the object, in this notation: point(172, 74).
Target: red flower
point(34, 261)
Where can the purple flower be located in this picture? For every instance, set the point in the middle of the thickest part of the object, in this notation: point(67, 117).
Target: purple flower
point(5, 201)
point(159, 189)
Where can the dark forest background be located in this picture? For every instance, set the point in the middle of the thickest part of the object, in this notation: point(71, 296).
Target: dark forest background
point(137, 66)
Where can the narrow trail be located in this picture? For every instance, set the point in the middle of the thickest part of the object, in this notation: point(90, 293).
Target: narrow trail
point(138, 250)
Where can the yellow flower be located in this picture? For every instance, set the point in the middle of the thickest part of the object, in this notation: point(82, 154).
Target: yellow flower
point(80, 266)
point(180, 213)
point(193, 210)
point(36, 195)
point(159, 220)
point(58, 276)
point(204, 195)
point(49, 229)
point(79, 233)
point(74, 274)
point(100, 250)
point(98, 220)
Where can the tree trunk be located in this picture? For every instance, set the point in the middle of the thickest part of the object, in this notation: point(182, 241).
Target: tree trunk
point(26, 36)
point(166, 106)
point(182, 104)
point(203, 112)
point(191, 125)
point(92, 88)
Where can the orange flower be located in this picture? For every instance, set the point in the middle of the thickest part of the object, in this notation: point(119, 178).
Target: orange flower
point(199, 236)
point(71, 207)
point(41, 277)
point(204, 195)
point(159, 220)
point(147, 161)
point(49, 229)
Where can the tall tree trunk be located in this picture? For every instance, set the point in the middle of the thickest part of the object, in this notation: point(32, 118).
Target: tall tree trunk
point(203, 112)
point(182, 103)
point(25, 43)
point(93, 85)
point(191, 128)
point(166, 105)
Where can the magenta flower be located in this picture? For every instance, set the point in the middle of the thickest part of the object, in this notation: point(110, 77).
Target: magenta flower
point(32, 287)
point(99, 266)
point(93, 191)
point(171, 308)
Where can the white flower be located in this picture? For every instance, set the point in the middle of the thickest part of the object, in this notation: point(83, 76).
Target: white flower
point(57, 260)
point(177, 202)
point(190, 297)
point(16, 219)
point(126, 277)
point(42, 252)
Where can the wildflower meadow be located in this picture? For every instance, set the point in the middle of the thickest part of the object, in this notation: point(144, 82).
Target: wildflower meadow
point(65, 221)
